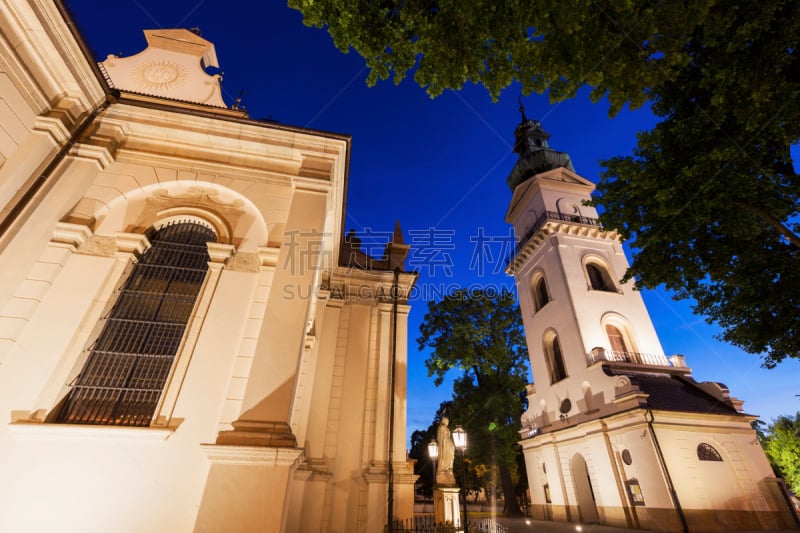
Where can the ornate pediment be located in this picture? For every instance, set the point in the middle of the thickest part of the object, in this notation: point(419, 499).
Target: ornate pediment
point(172, 66)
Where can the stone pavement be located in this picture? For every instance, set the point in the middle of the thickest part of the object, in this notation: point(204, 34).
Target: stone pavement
point(527, 525)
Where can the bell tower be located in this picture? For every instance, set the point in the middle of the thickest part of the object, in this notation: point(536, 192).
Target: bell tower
point(616, 432)
point(567, 269)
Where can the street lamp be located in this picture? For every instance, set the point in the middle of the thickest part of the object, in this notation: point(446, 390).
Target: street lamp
point(433, 453)
point(433, 449)
point(460, 442)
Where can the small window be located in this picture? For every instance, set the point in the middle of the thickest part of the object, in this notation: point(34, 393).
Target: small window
point(626, 457)
point(706, 452)
point(555, 359)
point(635, 492)
point(540, 294)
point(599, 279)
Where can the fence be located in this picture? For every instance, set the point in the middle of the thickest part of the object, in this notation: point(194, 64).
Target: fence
point(426, 524)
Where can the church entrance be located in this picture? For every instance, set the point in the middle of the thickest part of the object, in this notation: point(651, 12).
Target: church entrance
point(583, 490)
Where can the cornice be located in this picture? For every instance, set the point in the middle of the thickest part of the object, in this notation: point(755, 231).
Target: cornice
point(554, 227)
point(252, 455)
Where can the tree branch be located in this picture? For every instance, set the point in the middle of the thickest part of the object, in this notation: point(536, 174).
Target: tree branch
point(772, 221)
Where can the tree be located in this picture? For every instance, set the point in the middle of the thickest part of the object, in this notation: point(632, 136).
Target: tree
point(709, 201)
point(782, 446)
point(710, 198)
point(480, 334)
point(618, 48)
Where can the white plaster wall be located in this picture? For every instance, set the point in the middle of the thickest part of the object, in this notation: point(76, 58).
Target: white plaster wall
point(91, 476)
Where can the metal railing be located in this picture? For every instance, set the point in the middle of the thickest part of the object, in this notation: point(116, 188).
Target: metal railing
point(600, 354)
point(427, 524)
point(547, 216)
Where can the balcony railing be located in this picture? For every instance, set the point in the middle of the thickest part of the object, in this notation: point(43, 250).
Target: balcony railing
point(600, 354)
point(551, 215)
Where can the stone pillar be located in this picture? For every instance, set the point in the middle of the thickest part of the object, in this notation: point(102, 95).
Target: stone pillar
point(264, 420)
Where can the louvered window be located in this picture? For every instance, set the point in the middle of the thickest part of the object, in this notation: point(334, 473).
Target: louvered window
point(616, 339)
point(124, 375)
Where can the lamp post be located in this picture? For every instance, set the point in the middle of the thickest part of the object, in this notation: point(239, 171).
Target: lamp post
point(460, 442)
point(433, 453)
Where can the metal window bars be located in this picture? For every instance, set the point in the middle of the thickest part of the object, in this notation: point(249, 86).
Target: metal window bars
point(128, 364)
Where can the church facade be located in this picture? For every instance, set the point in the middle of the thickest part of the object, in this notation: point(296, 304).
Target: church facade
point(616, 432)
point(188, 341)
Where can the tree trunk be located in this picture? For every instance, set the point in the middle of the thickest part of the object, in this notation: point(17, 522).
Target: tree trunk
point(510, 504)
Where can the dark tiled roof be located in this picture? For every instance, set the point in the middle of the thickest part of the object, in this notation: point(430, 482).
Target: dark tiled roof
point(677, 393)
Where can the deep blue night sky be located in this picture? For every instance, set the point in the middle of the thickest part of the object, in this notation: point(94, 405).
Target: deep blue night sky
point(439, 166)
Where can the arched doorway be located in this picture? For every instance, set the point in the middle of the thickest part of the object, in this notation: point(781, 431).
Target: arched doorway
point(584, 492)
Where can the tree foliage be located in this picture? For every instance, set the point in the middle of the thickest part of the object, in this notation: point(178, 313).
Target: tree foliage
point(709, 201)
point(480, 335)
point(616, 47)
point(782, 446)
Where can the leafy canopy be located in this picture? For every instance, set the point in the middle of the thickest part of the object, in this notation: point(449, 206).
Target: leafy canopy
point(480, 334)
point(618, 47)
point(709, 200)
point(782, 446)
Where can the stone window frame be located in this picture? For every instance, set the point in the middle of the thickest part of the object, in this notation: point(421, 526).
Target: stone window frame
point(128, 247)
point(601, 268)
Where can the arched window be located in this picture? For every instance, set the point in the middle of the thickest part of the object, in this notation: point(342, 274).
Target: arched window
point(706, 452)
point(555, 359)
point(124, 375)
point(540, 294)
point(616, 339)
point(599, 279)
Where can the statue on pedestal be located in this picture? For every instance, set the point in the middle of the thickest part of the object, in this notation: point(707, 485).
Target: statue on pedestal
point(444, 470)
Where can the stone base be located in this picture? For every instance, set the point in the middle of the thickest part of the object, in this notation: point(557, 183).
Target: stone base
point(447, 506)
point(246, 433)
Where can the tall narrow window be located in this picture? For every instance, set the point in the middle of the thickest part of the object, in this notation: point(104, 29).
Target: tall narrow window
point(124, 375)
point(599, 279)
point(540, 294)
point(616, 339)
point(555, 359)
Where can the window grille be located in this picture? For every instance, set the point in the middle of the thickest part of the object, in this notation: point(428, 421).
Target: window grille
point(706, 452)
point(128, 365)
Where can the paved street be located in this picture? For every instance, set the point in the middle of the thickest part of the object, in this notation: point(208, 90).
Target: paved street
point(526, 525)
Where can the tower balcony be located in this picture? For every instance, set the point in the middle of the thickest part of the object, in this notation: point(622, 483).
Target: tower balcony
point(556, 217)
point(575, 221)
point(635, 358)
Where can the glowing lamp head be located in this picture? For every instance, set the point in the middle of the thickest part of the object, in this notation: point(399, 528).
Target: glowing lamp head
point(460, 438)
point(433, 449)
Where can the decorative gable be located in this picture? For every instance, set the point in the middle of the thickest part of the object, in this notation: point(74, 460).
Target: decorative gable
point(172, 66)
